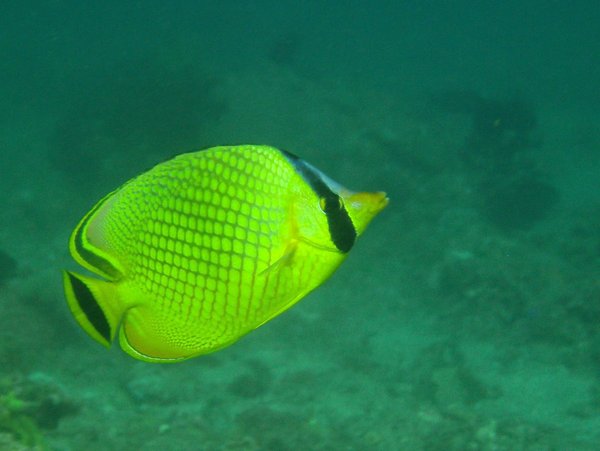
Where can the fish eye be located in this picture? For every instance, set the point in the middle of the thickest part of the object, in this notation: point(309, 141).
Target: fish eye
point(330, 204)
point(323, 204)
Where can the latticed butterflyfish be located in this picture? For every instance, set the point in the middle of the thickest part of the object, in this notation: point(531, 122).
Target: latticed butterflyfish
point(208, 246)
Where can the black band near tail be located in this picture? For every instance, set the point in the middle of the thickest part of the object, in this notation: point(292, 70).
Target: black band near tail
point(90, 307)
point(341, 228)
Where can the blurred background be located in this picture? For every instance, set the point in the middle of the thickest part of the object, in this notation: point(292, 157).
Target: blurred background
point(467, 317)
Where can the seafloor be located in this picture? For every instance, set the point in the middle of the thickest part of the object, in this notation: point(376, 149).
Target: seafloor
point(466, 318)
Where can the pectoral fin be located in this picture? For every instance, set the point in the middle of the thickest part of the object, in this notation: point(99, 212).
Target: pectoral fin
point(285, 259)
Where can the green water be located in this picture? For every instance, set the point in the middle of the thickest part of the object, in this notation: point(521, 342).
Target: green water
point(466, 317)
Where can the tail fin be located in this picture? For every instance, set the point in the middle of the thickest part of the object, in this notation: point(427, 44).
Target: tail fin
point(94, 304)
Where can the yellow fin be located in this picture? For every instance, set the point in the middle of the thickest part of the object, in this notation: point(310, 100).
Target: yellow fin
point(147, 334)
point(95, 305)
point(143, 336)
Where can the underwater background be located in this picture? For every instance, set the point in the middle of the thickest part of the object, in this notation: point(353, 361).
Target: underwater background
point(467, 317)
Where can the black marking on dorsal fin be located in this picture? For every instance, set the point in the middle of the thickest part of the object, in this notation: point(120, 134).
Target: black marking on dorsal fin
point(86, 252)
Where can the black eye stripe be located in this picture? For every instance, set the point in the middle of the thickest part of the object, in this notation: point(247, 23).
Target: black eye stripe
point(341, 229)
point(332, 204)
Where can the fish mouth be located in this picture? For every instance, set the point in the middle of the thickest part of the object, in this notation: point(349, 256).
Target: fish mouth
point(372, 202)
point(381, 200)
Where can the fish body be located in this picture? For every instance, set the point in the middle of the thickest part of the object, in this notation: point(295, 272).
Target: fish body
point(206, 247)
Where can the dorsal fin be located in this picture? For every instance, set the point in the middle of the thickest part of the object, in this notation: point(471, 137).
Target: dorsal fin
point(89, 255)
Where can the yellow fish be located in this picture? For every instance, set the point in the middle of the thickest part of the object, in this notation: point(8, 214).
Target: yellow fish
point(206, 247)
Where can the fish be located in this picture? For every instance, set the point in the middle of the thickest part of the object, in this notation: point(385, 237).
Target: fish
point(203, 248)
